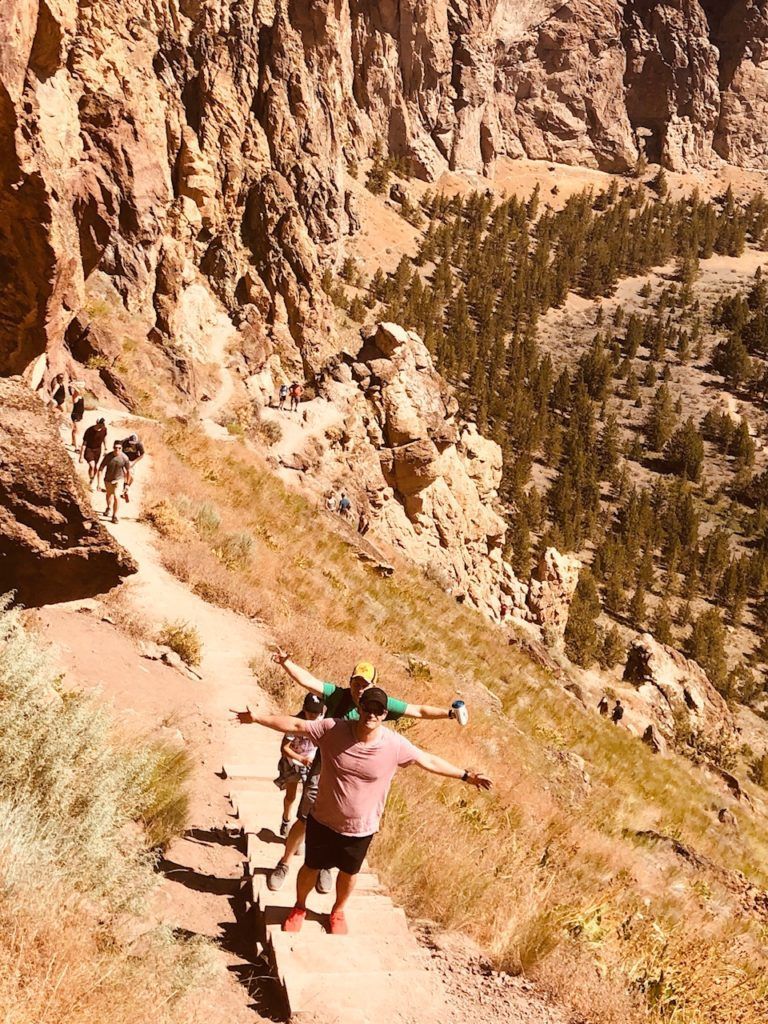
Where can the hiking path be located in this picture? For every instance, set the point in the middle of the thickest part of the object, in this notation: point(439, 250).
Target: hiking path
point(377, 973)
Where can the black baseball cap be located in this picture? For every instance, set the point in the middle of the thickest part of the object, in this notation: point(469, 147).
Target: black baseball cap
point(374, 695)
point(313, 703)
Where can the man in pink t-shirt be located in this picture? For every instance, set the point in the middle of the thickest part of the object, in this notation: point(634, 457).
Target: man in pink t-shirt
point(360, 759)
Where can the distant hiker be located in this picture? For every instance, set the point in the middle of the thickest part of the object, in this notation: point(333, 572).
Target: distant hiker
point(618, 712)
point(603, 706)
point(330, 502)
point(345, 505)
point(296, 756)
point(297, 390)
point(282, 394)
point(78, 411)
point(363, 524)
point(360, 759)
point(94, 442)
point(340, 702)
point(503, 611)
point(58, 391)
point(134, 449)
point(116, 467)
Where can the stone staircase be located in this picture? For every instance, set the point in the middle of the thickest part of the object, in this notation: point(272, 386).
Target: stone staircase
point(377, 973)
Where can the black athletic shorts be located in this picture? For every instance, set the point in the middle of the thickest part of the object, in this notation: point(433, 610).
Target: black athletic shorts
point(328, 849)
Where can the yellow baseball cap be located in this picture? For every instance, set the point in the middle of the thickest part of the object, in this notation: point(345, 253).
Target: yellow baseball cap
point(365, 670)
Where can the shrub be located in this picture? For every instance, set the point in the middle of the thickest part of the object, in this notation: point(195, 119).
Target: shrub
point(269, 431)
point(758, 771)
point(206, 519)
point(182, 638)
point(163, 807)
point(71, 866)
point(167, 518)
point(235, 550)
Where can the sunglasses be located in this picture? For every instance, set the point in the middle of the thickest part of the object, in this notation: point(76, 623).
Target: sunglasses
point(373, 709)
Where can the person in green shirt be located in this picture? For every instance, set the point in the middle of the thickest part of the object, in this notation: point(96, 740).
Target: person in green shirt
point(340, 702)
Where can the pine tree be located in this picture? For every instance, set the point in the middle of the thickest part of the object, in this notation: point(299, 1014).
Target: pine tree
point(661, 625)
point(612, 649)
point(582, 636)
point(706, 645)
point(685, 451)
point(518, 552)
point(661, 419)
point(660, 184)
point(637, 606)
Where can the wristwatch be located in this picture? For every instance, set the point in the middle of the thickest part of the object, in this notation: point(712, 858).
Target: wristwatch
point(465, 776)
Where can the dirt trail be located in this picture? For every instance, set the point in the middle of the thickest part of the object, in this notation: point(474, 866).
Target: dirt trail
point(203, 891)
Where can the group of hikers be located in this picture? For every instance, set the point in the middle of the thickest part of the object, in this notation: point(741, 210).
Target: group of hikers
point(605, 709)
point(338, 750)
point(290, 393)
point(343, 506)
point(114, 467)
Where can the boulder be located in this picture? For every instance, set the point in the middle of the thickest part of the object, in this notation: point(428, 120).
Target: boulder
point(674, 687)
point(52, 546)
point(553, 582)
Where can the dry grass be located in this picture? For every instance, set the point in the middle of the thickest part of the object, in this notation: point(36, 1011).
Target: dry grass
point(545, 871)
point(184, 639)
point(81, 807)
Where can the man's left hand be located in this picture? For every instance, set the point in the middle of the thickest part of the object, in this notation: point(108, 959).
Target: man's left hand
point(243, 717)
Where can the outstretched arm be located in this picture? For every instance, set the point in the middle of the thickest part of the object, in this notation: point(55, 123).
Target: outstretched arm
point(280, 723)
point(426, 711)
point(439, 766)
point(299, 675)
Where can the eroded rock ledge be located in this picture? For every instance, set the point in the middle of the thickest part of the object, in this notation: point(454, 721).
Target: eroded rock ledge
point(51, 546)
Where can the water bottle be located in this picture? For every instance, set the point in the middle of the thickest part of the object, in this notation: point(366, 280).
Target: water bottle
point(460, 713)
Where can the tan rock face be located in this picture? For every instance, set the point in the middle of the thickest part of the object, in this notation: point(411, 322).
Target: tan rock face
point(142, 138)
point(427, 482)
point(51, 546)
point(551, 589)
point(740, 31)
point(671, 685)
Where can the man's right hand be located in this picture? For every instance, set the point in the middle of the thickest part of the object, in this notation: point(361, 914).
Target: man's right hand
point(279, 655)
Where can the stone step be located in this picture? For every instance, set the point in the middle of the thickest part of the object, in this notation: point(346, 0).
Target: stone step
point(404, 996)
point(345, 953)
point(264, 767)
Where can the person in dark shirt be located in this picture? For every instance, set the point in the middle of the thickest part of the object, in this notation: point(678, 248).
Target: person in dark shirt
point(133, 448)
point(78, 411)
point(94, 443)
point(58, 391)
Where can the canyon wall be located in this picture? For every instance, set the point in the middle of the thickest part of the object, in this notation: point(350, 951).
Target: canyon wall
point(155, 140)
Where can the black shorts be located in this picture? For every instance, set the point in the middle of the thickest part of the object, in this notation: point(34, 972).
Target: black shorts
point(328, 849)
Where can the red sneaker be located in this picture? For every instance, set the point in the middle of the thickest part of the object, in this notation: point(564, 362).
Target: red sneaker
point(295, 920)
point(337, 923)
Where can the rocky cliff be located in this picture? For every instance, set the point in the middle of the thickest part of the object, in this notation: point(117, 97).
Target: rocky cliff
point(51, 547)
point(152, 140)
